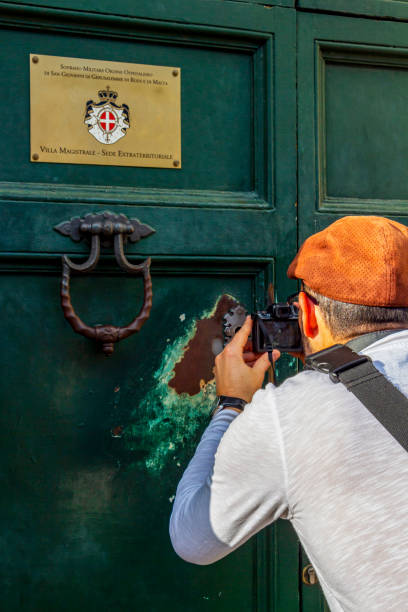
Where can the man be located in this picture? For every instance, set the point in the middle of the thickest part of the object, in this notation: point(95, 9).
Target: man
point(309, 451)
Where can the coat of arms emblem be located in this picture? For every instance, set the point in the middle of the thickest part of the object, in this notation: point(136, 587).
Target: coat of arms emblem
point(107, 122)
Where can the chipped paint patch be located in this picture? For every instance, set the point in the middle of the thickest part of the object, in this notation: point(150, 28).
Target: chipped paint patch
point(165, 425)
point(195, 368)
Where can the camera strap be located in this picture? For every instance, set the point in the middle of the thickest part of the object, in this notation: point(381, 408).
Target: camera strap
point(269, 346)
point(359, 375)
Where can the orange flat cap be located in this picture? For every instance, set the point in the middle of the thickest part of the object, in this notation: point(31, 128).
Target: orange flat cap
point(360, 260)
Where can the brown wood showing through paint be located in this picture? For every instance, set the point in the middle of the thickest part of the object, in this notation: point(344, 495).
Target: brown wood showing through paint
point(197, 363)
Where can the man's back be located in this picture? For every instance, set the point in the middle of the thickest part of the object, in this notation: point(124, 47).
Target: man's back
point(348, 485)
point(309, 452)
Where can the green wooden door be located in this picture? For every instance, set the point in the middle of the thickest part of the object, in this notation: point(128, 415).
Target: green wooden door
point(352, 121)
point(92, 448)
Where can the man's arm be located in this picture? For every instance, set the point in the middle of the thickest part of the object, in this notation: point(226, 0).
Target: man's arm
point(233, 486)
point(190, 529)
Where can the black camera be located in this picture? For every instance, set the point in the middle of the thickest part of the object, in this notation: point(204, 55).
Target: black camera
point(276, 327)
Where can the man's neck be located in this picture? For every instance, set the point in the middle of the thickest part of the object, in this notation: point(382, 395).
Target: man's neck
point(361, 342)
point(328, 340)
point(380, 328)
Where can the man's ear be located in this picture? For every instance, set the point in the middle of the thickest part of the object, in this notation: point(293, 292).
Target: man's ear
point(309, 322)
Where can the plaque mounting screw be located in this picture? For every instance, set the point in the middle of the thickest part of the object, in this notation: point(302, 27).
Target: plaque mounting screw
point(35, 59)
point(176, 163)
point(36, 157)
point(175, 72)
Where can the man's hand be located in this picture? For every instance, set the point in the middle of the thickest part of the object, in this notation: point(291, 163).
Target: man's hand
point(233, 376)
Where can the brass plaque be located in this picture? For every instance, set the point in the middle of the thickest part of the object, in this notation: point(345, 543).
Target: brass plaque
point(109, 113)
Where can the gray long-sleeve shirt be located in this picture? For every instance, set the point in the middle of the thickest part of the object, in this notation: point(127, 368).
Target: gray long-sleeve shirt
point(311, 453)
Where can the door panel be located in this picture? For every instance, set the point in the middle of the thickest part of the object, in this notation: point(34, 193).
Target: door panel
point(221, 162)
point(92, 448)
point(351, 122)
point(365, 142)
point(91, 456)
point(352, 79)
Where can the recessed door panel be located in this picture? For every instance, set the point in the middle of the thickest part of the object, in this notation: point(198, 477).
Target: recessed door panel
point(351, 119)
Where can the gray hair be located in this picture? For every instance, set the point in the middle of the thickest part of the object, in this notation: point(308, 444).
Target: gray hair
point(345, 319)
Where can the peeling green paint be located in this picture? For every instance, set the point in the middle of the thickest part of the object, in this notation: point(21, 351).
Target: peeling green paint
point(165, 424)
point(285, 366)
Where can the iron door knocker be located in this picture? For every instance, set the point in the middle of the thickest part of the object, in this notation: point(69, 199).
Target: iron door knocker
point(104, 229)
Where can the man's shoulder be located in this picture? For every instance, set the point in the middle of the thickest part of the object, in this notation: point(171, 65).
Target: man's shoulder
point(304, 388)
point(306, 380)
point(308, 394)
point(309, 382)
point(296, 412)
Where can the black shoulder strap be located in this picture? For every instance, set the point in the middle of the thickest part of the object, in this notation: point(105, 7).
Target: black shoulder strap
point(372, 388)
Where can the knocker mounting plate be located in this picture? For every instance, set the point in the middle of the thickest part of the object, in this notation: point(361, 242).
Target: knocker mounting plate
point(105, 224)
point(106, 229)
